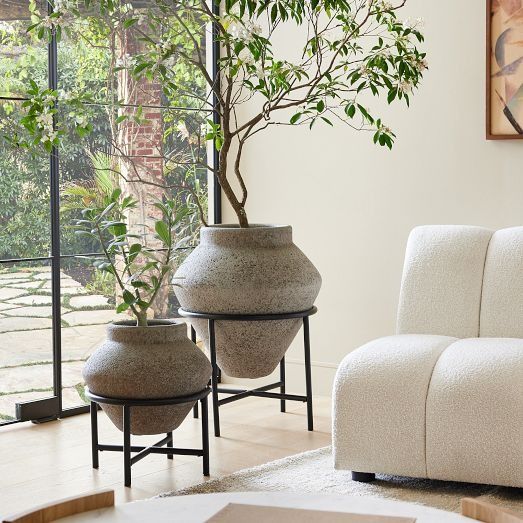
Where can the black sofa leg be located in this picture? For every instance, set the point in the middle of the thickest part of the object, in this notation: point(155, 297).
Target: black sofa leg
point(364, 477)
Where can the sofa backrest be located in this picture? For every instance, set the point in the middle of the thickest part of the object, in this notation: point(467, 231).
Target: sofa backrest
point(502, 297)
point(442, 281)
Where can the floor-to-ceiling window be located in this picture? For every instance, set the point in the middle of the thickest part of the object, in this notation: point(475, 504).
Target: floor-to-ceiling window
point(54, 304)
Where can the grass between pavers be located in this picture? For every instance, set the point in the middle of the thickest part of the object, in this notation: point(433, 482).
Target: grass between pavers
point(27, 330)
point(42, 362)
point(11, 270)
point(83, 308)
point(46, 389)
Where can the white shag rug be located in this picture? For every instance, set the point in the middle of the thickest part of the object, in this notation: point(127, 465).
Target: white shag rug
point(313, 471)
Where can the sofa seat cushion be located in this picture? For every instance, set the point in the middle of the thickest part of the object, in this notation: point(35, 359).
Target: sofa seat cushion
point(379, 400)
point(475, 412)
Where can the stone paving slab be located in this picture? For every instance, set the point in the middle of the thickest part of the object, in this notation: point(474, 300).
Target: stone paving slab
point(17, 348)
point(89, 317)
point(33, 299)
point(92, 300)
point(34, 312)
point(7, 306)
point(39, 376)
point(73, 291)
point(71, 398)
point(42, 276)
point(20, 284)
point(69, 282)
point(15, 283)
point(23, 324)
point(81, 342)
point(6, 293)
point(12, 275)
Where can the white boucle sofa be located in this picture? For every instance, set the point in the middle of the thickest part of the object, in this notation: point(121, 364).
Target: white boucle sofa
point(443, 398)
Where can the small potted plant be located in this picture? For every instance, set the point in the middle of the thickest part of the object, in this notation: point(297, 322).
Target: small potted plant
point(141, 358)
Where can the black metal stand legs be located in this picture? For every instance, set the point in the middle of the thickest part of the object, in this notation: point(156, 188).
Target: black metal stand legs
point(164, 446)
point(264, 391)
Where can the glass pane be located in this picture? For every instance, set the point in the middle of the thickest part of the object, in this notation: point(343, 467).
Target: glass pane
point(22, 55)
point(24, 193)
point(98, 52)
point(160, 157)
point(26, 354)
point(88, 303)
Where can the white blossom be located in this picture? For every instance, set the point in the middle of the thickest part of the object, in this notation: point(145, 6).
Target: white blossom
point(142, 19)
point(126, 8)
point(244, 32)
point(182, 130)
point(384, 129)
point(80, 120)
point(125, 61)
point(245, 56)
point(417, 23)
point(49, 136)
point(421, 65)
point(49, 98)
point(45, 120)
point(66, 96)
point(380, 5)
point(260, 71)
point(405, 86)
point(364, 70)
point(63, 5)
point(7, 28)
point(170, 62)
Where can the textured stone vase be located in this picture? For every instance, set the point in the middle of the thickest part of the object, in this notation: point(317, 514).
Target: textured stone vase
point(158, 361)
point(257, 270)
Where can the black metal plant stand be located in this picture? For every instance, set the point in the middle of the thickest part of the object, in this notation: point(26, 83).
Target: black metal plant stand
point(263, 392)
point(157, 448)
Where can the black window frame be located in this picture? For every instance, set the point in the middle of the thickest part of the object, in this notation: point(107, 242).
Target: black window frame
point(55, 257)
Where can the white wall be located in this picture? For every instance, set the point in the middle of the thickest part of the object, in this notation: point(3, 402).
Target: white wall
point(352, 204)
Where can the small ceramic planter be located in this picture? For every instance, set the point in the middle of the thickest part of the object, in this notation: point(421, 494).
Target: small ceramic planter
point(157, 361)
point(258, 270)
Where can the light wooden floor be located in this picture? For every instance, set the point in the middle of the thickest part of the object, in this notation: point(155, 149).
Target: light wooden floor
point(39, 463)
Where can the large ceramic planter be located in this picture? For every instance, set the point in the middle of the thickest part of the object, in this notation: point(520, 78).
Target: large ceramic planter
point(157, 361)
point(257, 270)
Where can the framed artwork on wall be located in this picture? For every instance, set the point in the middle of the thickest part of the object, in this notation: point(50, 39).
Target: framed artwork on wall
point(504, 69)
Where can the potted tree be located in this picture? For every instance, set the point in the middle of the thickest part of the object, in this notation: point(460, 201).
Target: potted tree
point(348, 49)
point(141, 358)
point(345, 54)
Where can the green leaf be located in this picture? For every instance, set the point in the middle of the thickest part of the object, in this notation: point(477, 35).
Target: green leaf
point(135, 248)
point(128, 297)
point(392, 95)
point(162, 230)
point(122, 307)
point(295, 118)
point(138, 284)
point(129, 23)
